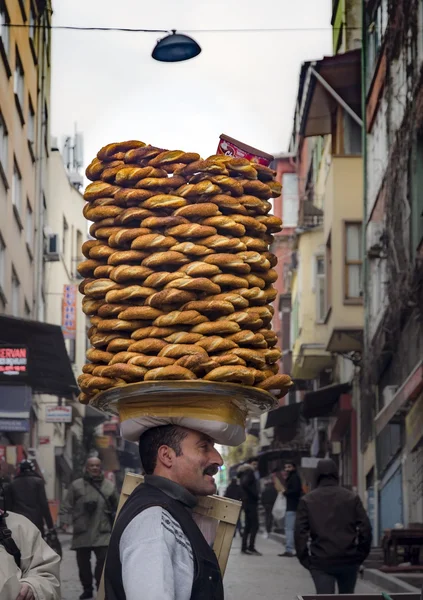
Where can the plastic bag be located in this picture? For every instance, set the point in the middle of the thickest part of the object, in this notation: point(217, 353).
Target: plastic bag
point(279, 507)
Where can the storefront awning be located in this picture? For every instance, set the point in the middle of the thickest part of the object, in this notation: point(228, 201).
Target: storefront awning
point(341, 73)
point(284, 416)
point(49, 367)
point(321, 402)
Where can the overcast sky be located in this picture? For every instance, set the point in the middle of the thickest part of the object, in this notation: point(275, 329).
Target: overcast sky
point(242, 84)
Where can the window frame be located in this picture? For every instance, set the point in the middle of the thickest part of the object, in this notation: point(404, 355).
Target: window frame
point(30, 131)
point(32, 31)
point(320, 283)
point(19, 86)
point(29, 229)
point(17, 208)
point(356, 300)
point(5, 38)
point(4, 150)
point(15, 289)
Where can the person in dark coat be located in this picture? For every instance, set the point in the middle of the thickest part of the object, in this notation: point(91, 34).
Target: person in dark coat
point(27, 496)
point(340, 531)
point(250, 494)
point(233, 492)
point(268, 498)
point(293, 492)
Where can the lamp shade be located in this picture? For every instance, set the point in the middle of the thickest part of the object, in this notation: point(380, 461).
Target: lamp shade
point(175, 47)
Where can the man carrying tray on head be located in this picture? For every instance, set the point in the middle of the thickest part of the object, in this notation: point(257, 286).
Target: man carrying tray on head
point(157, 552)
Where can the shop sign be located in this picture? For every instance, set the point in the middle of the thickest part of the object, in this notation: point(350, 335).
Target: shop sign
point(58, 414)
point(13, 361)
point(43, 440)
point(309, 462)
point(102, 441)
point(18, 425)
point(69, 311)
point(414, 423)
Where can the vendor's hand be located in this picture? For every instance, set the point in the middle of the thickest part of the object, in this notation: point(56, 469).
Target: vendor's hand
point(26, 593)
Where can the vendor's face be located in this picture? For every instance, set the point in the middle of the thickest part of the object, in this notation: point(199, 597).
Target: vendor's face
point(195, 467)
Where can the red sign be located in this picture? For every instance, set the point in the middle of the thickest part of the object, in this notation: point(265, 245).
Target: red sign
point(43, 440)
point(13, 361)
point(69, 311)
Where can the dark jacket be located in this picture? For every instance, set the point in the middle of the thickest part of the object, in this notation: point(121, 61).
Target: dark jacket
point(335, 520)
point(234, 491)
point(293, 491)
point(269, 494)
point(249, 485)
point(207, 584)
point(28, 498)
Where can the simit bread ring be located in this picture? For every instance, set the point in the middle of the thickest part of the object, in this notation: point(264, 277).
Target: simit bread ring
point(229, 359)
point(183, 337)
point(153, 332)
point(276, 188)
point(254, 244)
point(270, 336)
point(123, 273)
point(99, 189)
point(160, 279)
point(220, 242)
point(177, 317)
point(129, 373)
point(159, 222)
point(235, 299)
point(250, 223)
point(98, 213)
point(112, 169)
point(257, 261)
point(91, 306)
point(92, 330)
point(228, 204)
point(277, 382)
point(118, 325)
point(216, 343)
point(264, 173)
point(228, 262)
point(128, 176)
point(159, 259)
point(172, 168)
point(255, 281)
point(126, 256)
point(174, 156)
point(197, 363)
point(270, 293)
point(89, 368)
point(270, 276)
point(154, 241)
point(178, 350)
point(148, 346)
point(100, 287)
point(192, 190)
point(225, 223)
point(196, 284)
point(166, 298)
point(251, 357)
point(111, 150)
point(191, 230)
point(254, 294)
point(125, 237)
point(90, 383)
point(169, 373)
point(192, 249)
point(203, 166)
point(245, 319)
point(229, 281)
point(200, 269)
point(122, 357)
point(101, 224)
point(248, 338)
point(241, 166)
point(86, 247)
point(94, 321)
point(205, 209)
point(151, 362)
point(164, 201)
point(119, 344)
point(110, 310)
point(141, 313)
point(229, 185)
point(96, 167)
point(87, 267)
point(254, 205)
point(160, 183)
point(98, 356)
point(273, 224)
point(101, 202)
point(237, 374)
point(217, 307)
point(101, 252)
point(103, 271)
point(133, 214)
point(256, 188)
point(219, 327)
point(105, 230)
point(132, 197)
point(141, 154)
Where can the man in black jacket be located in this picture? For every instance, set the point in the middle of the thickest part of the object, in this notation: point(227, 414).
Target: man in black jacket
point(233, 491)
point(250, 494)
point(340, 531)
point(292, 493)
point(28, 496)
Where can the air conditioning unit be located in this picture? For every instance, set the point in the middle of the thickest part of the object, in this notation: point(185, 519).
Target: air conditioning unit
point(374, 239)
point(388, 394)
point(52, 248)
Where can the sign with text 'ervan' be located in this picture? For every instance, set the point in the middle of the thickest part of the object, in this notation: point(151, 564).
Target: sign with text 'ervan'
point(13, 362)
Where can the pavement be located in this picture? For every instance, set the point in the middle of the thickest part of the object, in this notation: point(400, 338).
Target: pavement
point(268, 577)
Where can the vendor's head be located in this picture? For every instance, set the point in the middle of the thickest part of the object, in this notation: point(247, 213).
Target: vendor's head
point(182, 455)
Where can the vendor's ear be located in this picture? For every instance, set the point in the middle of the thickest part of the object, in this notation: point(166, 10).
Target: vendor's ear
point(166, 456)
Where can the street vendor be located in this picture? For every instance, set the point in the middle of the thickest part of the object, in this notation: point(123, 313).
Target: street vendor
point(157, 551)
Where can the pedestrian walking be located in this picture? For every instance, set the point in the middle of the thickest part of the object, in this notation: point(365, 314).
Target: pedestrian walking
point(90, 506)
point(248, 479)
point(233, 491)
point(268, 499)
point(26, 496)
point(339, 528)
point(293, 492)
point(157, 550)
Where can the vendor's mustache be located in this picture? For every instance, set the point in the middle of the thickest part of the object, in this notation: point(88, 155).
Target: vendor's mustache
point(211, 470)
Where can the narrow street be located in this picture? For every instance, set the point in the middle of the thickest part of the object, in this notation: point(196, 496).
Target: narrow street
point(247, 577)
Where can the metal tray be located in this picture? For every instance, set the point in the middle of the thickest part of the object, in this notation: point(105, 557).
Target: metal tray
point(252, 399)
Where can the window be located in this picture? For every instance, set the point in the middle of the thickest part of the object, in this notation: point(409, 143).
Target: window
point(29, 226)
point(377, 22)
point(290, 199)
point(17, 188)
point(31, 128)
point(320, 289)
point(16, 292)
point(4, 34)
point(27, 310)
point(328, 287)
point(32, 21)
point(65, 237)
point(46, 129)
point(4, 148)
point(2, 263)
point(19, 86)
point(353, 262)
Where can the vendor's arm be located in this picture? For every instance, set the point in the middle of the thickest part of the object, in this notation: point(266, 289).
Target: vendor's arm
point(156, 558)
